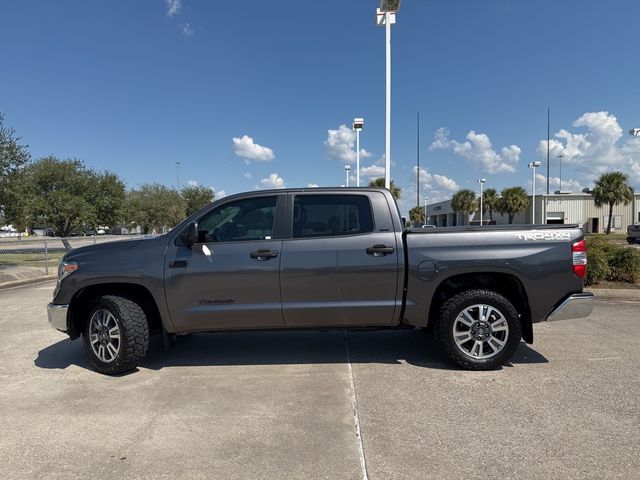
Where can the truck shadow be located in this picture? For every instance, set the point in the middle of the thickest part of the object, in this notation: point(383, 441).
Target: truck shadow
point(414, 347)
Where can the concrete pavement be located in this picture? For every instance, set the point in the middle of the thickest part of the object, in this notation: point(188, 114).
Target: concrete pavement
point(280, 405)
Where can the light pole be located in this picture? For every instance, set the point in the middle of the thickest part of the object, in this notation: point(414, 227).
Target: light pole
point(347, 169)
point(533, 166)
point(386, 15)
point(481, 182)
point(178, 167)
point(358, 123)
point(560, 157)
point(425, 211)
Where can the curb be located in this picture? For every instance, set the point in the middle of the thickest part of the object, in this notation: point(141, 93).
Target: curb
point(27, 281)
point(615, 293)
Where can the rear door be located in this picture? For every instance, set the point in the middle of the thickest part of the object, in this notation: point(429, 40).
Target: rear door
point(339, 266)
point(230, 279)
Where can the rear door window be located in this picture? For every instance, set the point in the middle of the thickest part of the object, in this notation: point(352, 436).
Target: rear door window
point(331, 215)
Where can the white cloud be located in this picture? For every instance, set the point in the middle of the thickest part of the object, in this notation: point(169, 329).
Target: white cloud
point(219, 194)
point(478, 148)
point(193, 183)
point(445, 183)
point(434, 186)
point(313, 185)
point(248, 176)
point(340, 145)
point(245, 147)
point(272, 181)
point(568, 184)
point(186, 29)
point(435, 181)
point(372, 171)
point(376, 170)
point(173, 7)
point(598, 150)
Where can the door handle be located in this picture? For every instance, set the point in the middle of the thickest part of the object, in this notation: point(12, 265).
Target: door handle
point(379, 250)
point(264, 254)
point(178, 264)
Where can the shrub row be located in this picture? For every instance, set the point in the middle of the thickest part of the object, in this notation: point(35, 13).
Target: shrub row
point(613, 263)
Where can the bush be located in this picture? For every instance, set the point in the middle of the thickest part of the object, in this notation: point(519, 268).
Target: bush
point(625, 265)
point(610, 262)
point(599, 253)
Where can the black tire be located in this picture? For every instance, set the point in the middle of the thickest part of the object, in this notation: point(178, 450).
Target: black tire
point(128, 346)
point(496, 346)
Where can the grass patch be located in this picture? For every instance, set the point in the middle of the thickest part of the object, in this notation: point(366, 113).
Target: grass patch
point(29, 259)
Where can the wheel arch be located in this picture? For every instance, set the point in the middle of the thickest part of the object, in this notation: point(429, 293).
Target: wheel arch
point(507, 285)
point(84, 299)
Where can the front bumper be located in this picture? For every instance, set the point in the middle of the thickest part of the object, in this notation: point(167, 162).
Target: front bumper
point(578, 305)
point(58, 316)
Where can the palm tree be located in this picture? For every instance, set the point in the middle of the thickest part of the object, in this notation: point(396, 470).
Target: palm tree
point(514, 200)
point(379, 183)
point(490, 201)
point(464, 202)
point(416, 215)
point(611, 189)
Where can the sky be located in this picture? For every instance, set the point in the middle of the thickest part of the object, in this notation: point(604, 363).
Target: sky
point(251, 94)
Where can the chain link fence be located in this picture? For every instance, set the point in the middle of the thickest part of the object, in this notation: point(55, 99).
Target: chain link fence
point(24, 258)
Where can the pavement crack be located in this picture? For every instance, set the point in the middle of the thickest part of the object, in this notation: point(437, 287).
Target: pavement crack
point(354, 405)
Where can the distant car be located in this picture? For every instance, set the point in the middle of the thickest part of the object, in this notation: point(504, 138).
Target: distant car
point(101, 231)
point(633, 234)
point(427, 226)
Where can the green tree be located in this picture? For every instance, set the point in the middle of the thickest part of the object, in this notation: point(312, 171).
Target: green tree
point(513, 201)
point(379, 183)
point(464, 202)
point(416, 215)
point(612, 188)
point(154, 207)
point(64, 194)
point(196, 197)
point(109, 199)
point(490, 202)
point(12, 157)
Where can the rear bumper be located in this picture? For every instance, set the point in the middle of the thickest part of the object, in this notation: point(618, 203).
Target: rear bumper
point(578, 305)
point(58, 316)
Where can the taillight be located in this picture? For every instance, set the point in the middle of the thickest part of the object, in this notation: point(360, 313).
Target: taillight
point(579, 252)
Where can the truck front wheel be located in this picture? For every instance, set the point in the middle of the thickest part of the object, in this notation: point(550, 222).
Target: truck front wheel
point(116, 335)
point(478, 329)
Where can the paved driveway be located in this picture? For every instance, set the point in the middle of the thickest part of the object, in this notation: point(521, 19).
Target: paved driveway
point(291, 405)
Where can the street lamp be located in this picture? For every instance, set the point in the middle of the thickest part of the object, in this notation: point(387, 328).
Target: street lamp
point(533, 167)
point(425, 211)
point(358, 123)
point(386, 15)
point(481, 182)
point(347, 168)
point(634, 132)
point(178, 167)
point(560, 157)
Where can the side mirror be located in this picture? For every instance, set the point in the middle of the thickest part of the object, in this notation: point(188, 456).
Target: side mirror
point(191, 234)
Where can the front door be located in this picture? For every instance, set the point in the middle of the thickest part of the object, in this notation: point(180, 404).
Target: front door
point(230, 278)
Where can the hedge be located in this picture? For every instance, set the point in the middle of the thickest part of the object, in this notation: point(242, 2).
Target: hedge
point(613, 263)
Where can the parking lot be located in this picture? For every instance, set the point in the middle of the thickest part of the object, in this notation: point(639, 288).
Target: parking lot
point(290, 404)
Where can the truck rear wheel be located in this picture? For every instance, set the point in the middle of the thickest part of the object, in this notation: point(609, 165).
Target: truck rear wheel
point(116, 335)
point(478, 329)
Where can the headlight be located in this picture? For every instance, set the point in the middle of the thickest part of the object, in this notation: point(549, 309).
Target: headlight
point(66, 268)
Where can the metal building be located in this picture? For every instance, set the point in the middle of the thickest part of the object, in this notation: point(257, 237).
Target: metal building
point(556, 208)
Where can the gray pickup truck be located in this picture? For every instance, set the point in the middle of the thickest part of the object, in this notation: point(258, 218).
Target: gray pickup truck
point(321, 258)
